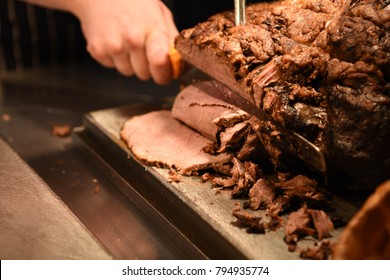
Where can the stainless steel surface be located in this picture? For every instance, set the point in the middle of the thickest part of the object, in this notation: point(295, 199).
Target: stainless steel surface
point(34, 222)
point(239, 12)
point(192, 206)
point(31, 102)
point(304, 149)
point(128, 224)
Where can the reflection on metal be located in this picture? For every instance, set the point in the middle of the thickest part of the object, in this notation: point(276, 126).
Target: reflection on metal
point(239, 12)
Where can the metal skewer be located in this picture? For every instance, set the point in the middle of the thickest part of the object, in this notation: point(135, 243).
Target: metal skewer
point(239, 12)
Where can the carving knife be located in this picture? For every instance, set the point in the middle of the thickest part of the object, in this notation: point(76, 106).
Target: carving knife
point(310, 154)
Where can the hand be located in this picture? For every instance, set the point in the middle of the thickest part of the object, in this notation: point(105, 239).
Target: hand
point(132, 36)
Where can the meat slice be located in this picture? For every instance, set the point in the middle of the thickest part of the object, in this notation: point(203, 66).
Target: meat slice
point(159, 139)
point(199, 110)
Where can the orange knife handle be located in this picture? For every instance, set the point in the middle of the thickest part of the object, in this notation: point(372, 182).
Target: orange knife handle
point(176, 62)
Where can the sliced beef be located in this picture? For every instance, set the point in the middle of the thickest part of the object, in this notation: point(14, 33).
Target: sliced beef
point(198, 110)
point(159, 139)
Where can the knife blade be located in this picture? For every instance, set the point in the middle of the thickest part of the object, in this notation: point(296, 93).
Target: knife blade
point(309, 153)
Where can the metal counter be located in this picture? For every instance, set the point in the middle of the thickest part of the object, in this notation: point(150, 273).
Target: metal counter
point(128, 209)
point(31, 103)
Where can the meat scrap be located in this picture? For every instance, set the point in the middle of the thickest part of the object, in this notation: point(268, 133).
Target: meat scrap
point(298, 226)
point(305, 222)
point(252, 223)
point(61, 130)
point(302, 187)
point(261, 195)
point(321, 251)
point(240, 180)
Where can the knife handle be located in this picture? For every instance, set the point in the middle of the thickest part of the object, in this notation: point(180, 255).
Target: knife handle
point(176, 62)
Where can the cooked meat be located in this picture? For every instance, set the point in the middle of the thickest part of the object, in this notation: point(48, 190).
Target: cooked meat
point(298, 226)
point(61, 130)
point(321, 251)
point(322, 223)
point(306, 221)
point(320, 68)
point(300, 186)
point(261, 194)
point(199, 110)
point(160, 144)
point(252, 223)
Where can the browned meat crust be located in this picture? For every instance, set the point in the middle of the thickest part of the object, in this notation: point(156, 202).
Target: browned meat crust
point(321, 68)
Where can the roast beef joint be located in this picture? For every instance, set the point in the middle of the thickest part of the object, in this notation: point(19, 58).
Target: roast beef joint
point(318, 68)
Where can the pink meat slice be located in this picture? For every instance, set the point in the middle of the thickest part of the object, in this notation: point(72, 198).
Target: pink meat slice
point(199, 110)
point(159, 139)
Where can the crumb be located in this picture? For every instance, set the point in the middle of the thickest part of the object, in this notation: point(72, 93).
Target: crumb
point(292, 247)
point(174, 176)
point(94, 180)
point(61, 130)
point(6, 118)
point(97, 189)
point(206, 177)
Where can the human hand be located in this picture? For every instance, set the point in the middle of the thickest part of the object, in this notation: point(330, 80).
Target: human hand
point(130, 35)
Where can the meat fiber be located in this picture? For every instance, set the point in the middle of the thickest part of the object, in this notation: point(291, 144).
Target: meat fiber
point(320, 68)
point(199, 111)
point(159, 146)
